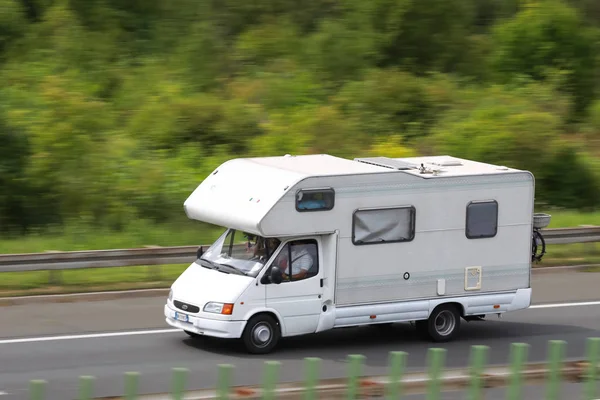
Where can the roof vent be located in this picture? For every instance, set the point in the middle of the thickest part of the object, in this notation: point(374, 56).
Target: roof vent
point(447, 162)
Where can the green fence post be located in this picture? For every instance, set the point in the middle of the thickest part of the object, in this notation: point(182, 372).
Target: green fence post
point(179, 375)
point(478, 358)
point(270, 382)
point(436, 358)
point(131, 385)
point(355, 362)
point(224, 381)
point(36, 389)
point(85, 387)
point(593, 346)
point(397, 364)
point(518, 355)
point(312, 377)
point(556, 353)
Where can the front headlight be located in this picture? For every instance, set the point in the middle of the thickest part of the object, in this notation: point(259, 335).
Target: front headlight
point(171, 295)
point(219, 308)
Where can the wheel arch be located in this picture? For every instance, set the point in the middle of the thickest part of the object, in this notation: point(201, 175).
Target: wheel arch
point(459, 306)
point(271, 313)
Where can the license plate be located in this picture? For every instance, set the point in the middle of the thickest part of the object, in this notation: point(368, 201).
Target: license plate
point(181, 317)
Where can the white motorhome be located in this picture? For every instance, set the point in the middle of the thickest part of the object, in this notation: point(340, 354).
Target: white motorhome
point(428, 240)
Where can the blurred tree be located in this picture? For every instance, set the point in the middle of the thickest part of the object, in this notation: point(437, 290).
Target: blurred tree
point(13, 185)
point(522, 128)
point(111, 112)
point(13, 22)
point(391, 101)
point(546, 35)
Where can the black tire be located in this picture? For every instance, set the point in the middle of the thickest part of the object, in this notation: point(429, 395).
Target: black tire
point(443, 323)
point(261, 334)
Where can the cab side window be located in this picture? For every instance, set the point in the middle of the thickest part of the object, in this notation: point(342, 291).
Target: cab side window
point(303, 256)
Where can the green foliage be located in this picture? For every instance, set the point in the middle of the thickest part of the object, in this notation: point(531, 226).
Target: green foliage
point(390, 102)
point(13, 22)
point(112, 112)
point(546, 35)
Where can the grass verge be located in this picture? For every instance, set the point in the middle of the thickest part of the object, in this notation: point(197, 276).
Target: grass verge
point(139, 234)
point(150, 277)
point(88, 280)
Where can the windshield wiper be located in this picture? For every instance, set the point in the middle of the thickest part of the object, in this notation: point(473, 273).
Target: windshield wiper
point(212, 265)
point(204, 263)
point(234, 268)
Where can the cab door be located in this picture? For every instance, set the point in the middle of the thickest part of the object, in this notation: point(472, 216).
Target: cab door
point(298, 298)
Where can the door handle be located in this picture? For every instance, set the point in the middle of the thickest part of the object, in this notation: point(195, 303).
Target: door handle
point(321, 282)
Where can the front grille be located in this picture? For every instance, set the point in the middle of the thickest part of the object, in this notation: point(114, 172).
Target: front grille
point(186, 307)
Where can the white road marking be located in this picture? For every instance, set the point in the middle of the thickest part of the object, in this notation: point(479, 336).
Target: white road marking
point(3, 393)
point(88, 336)
point(560, 305)
point(164, 331)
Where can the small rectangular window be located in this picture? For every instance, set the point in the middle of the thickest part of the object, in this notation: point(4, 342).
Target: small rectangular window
point(482, 219)
point(383, 225)
point(315, 200)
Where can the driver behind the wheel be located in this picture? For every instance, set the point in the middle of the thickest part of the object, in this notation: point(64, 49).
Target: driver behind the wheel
point(301, 262)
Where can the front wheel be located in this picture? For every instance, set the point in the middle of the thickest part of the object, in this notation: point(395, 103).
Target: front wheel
point(261, 334)
point(444, 323)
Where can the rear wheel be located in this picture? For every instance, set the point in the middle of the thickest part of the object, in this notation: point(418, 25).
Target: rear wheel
point(261, 334)
point(443, 323)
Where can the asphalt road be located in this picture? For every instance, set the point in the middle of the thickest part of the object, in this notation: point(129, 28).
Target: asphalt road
point(153, 354)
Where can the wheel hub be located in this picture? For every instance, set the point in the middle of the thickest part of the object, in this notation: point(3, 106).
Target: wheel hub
point(444, 323)
point(261, 334)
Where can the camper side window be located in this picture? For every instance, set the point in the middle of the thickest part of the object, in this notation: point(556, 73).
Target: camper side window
point(304, 258)
point(482, 219)
point(315, 200)
point(383, 225)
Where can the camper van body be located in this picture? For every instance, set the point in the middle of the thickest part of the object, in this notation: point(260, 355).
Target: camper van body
point(428, 240)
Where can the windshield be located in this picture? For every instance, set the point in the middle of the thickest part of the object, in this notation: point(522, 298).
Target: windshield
point(238, 252)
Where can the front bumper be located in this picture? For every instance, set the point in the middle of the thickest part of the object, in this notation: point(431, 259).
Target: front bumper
point(204, 326)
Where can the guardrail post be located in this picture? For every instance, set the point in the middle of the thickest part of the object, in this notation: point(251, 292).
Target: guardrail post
point(224, 381)
point(36, 389)
point(55, 277)
point(312, 377)
point(593, 348)
point(556, 353)
point(518, 355)
point(397, 364)
point(85, 387)
point(179, 375)
point(478, 358)
point(355, 362)
point(270, 382)
point(131, 385)
point(436, 357)
point(154, 272)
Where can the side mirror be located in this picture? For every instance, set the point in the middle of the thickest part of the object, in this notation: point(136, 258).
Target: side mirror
point(276, 276)
point(200, 252)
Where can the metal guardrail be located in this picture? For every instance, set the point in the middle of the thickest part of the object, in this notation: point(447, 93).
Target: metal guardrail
point(397, 384)
point(186, 254)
